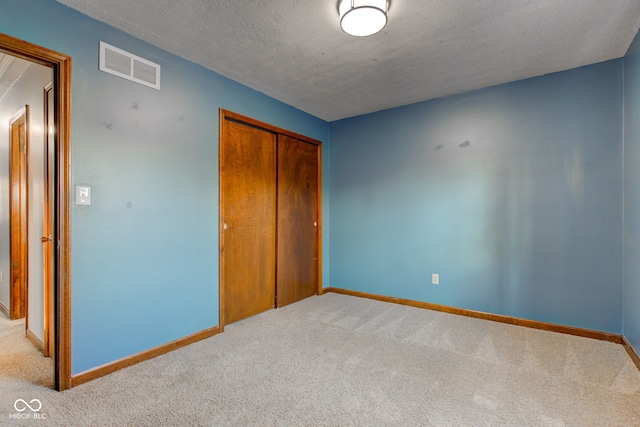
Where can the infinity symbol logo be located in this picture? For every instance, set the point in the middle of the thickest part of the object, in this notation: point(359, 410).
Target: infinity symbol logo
point(21, 405)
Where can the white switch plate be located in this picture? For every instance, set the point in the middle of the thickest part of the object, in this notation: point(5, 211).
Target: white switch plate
point(1, 276)
point(83, 195)
point(435, 279)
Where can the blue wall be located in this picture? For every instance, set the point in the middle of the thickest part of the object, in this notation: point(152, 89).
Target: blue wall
point(631, 300)
point(513, 194)
point(145, 254)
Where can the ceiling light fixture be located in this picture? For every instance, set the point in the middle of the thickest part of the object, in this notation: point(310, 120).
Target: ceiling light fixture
point(363, 17)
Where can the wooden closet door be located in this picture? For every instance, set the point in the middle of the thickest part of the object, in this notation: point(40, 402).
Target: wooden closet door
point(297, 255)
point(248, 214)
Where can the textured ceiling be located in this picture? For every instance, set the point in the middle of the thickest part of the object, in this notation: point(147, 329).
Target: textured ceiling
point(294, 50)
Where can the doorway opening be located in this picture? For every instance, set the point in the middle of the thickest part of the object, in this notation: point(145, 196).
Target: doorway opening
point(56, 341)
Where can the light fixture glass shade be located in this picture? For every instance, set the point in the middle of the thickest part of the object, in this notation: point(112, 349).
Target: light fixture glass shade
point(363, 17)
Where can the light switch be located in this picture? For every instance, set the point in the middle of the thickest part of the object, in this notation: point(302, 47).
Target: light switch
point(83, 196)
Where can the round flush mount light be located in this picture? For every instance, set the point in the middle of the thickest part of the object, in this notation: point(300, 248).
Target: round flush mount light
point(363, 17)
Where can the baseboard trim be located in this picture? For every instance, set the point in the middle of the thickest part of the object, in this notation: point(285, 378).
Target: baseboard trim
point(631, 351)
point(125, 362)
point(587, 333)
point(5, 310)
point(35, 340)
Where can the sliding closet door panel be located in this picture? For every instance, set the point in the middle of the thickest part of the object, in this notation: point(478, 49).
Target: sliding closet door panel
point(297, 273)
point(248, 207)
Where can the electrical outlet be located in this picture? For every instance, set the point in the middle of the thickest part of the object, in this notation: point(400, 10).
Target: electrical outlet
point(435, 279)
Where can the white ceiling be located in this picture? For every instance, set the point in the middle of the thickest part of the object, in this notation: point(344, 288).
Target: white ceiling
point(294, 50)
point(11, 69)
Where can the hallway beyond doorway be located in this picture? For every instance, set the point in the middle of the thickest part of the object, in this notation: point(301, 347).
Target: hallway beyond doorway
point(21, 363)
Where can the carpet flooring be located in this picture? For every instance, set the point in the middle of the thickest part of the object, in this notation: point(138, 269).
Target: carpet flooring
point(336, 360)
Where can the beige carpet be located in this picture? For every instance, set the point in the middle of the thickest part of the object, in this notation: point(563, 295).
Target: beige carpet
point(21, 363)
point(336, 360)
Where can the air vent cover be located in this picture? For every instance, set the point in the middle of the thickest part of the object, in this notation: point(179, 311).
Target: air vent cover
point(129, 66)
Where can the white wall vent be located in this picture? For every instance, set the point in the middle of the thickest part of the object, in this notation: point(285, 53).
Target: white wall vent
point(129, 66)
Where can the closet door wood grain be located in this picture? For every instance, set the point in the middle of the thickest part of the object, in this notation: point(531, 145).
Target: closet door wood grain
point(248, 216)
point(297, 235)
